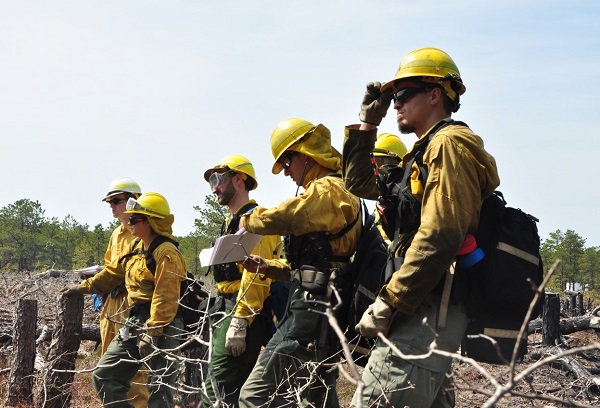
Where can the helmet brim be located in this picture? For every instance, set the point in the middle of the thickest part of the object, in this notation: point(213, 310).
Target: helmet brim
point(112, 194)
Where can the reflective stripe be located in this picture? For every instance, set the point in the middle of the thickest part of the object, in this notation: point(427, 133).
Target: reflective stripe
point(519, 253)
point(502, 333)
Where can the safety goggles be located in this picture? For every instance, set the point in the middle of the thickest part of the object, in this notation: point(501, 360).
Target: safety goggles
point(216, 179)
point(133, 205)
point(286, 159)
point(404, 95)
point(116, 201)
point(134, 219)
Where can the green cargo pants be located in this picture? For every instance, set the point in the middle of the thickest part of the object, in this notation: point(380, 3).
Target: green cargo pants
point(295, 369)
point(417, 383)
point(117, 367)
point(231, 372)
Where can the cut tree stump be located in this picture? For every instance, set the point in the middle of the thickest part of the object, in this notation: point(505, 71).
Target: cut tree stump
point(20, 383)
point(551, 320)
point(54, 391)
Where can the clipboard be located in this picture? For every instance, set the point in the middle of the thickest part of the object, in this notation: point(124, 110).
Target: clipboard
point(229, 248)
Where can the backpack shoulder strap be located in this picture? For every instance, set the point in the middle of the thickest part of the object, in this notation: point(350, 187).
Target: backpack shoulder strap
point(234, 222)
point(160, 239)
point(133, 251)
point(345, 230)
point(423, 170)
point(348, 227)
point(418, 155)
point(150, 262)
point(149, 254)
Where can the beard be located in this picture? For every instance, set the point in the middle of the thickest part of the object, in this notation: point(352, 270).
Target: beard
point(227, 193)
point(405, 128)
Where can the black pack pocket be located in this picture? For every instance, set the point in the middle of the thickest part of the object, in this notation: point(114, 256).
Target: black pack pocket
point(502, 329)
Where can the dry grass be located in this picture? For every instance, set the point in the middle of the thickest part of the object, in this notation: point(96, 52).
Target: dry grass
point(84, 394)
point(550, 381)
point(471, 386)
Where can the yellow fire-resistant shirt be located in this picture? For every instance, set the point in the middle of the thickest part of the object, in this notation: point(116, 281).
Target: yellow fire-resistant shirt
point(461, 175)
point(112, 274)
point(325, 205)
point(161, 289)
point(253, 288)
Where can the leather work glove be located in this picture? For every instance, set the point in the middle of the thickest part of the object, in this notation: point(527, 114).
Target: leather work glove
point(235, 339)
point(377, 318)
point(147, 344)
point(71, 289)
point(375, 104)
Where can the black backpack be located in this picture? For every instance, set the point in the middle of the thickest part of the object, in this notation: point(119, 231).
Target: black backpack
point(359, 282)
point(500, 287)
point(191, 292)
point(497, 289)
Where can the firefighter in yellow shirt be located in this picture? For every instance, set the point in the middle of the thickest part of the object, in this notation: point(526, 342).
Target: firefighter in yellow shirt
point(448, 174)
point(153, 323)
point(322, 226)
point(238, 338)
point(115, 307)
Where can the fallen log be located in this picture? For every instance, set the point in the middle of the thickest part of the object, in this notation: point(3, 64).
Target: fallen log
point(88, 332)
point(567, 326)
point(589, 381)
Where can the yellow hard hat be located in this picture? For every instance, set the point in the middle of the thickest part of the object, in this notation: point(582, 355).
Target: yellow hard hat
point(430, 65)
point(303, 137)
point(123, 185)
point(237, 163)
point(151, 204)
point(286, 134)
point(390, 145)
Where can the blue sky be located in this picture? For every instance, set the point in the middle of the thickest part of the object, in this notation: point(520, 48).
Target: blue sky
point(160, 90)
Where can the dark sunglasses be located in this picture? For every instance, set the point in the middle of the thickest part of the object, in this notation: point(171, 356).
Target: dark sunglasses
point(404, 95)
point(134, 219)
point(286, 160)
point(116, 201)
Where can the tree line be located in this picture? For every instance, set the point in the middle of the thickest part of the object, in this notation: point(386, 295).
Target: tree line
point(30, 241)
point(578, 270)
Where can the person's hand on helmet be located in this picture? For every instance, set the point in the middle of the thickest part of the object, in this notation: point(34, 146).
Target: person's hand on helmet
point(235, 340)
point(375, 104)
point(71, 289)
point(147, 344)
point(377, 318)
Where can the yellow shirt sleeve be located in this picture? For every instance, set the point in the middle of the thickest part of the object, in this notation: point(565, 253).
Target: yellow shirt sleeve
point(113, 273)
point(254, 288)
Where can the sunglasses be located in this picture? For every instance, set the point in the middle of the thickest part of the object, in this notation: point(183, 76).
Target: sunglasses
point(404, 95)
point(286, 160)
point(134, 219)
point(116, 201)
point(216, 179)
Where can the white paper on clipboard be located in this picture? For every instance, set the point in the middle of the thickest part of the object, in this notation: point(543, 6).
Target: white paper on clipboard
point(229, 248)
